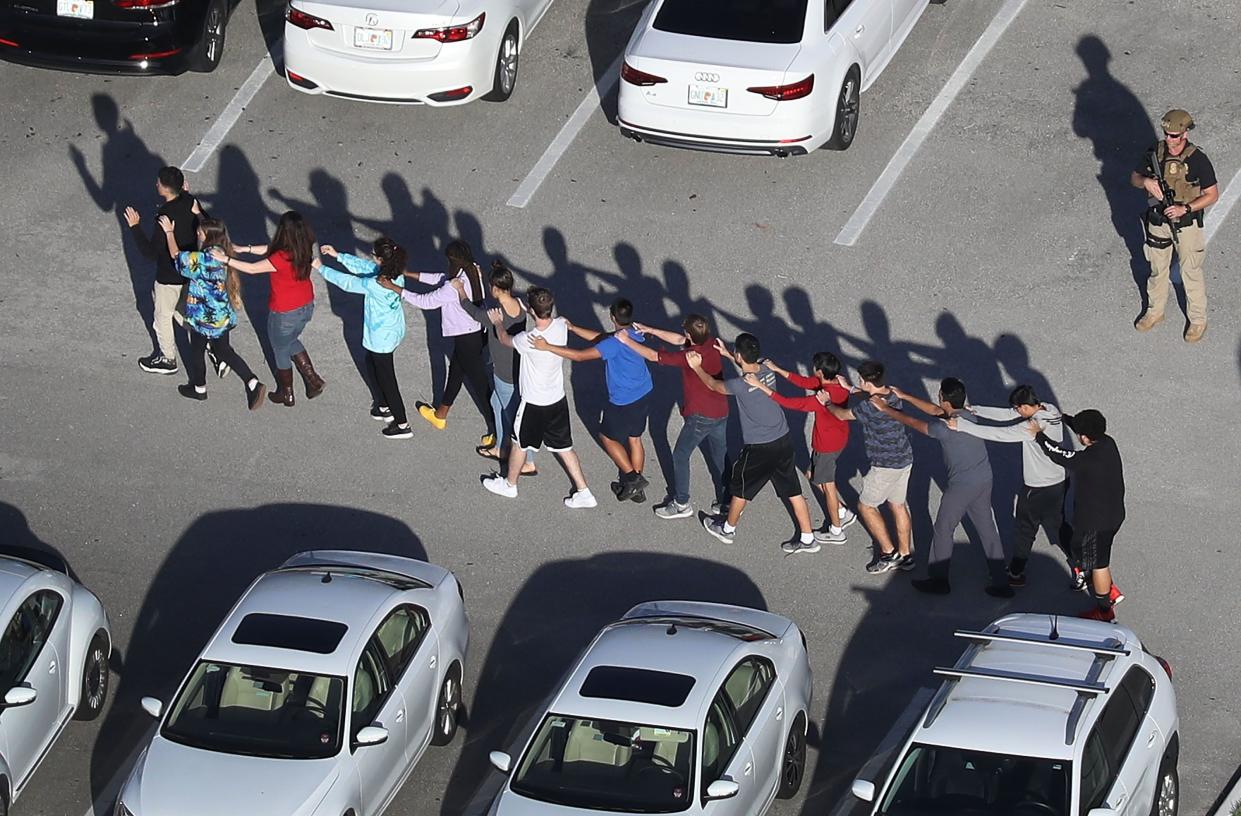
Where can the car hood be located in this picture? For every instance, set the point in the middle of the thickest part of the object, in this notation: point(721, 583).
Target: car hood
point(177, 780)
point(512, 804)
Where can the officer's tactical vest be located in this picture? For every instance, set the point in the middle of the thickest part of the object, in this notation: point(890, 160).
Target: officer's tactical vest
point(1175, 169)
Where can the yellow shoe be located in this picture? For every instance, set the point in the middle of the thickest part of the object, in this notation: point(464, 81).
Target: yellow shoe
point(488, 440)
point(1195, 331)
point(1148, 321)
point(428, 413)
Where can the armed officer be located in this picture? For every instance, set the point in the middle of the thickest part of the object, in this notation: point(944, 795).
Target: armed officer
point(1179, 178)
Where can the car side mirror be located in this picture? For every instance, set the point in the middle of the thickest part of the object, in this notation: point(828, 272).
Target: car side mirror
point(722, 789)
point(19, 696)
point(1103, 811)
point(153, 707)
point(501, 761)
point(864, 789)
point(372, 735)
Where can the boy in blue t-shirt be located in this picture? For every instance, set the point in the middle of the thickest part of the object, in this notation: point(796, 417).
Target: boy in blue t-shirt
point(629, 389)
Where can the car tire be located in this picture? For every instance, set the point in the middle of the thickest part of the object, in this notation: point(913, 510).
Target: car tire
point(848, 112)
point(507, 61)
point(1168, 791)
point(210, 48)
point(793, 761)
point(95, 680)
point(447, 707)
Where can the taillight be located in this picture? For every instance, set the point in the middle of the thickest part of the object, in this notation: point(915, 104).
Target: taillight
point(635, 77)
point(453, 95)
point(10, 43)
point(455, 33)
point(1167, 667)
point(155, 54)
point(783, 93)
point(306, 21)
point(143, 5)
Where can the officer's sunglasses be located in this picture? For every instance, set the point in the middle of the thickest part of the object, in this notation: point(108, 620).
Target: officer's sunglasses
point(1180, 135)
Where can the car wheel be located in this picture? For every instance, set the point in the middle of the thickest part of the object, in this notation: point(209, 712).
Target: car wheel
point(848, 105)
point(448, 707)
point(211, 45)
point(1168, 795)
point(793, 764)
point(506, 67)
point(95, 678)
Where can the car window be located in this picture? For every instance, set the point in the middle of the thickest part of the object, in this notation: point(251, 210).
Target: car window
point(1117, 726)
point(370, 688)
point(1095, 773)
point(399, 636)
point(719, 740)
point(761, 21)
point(746, 688)
point(832, 9)
point(1141, 689)
point(27, 631)
point(936, 779)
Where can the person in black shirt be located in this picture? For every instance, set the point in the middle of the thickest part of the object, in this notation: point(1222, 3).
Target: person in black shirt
point(183, 210)
point(1099, 478)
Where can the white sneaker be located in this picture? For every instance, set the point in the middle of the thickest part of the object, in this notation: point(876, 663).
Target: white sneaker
point(500, 486)
point(580, 500)
point(847, 517)
point(830, 536)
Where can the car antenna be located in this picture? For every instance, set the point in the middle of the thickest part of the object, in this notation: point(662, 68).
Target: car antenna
point(327, 578)
point(672, 629)
point(1055, 631)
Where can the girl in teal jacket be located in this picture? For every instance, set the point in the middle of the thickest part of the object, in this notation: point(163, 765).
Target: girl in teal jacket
point(383, 324)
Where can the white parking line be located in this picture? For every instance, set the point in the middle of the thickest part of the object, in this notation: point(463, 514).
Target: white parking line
point(230, 115)
point(530, 184)
point(887, 179)
point(106, 801)
point(1232, 191)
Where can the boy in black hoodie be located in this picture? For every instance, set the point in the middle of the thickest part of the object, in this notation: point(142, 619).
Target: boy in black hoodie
point(1099, 478)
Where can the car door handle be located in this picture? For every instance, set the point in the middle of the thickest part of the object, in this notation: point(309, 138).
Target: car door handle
point(857, 32)
point(433, 661)
point(1151, 739)
point(51, 667)
point(1120, 800)
point(400, 715)
point(749, 766)
point(780, 713)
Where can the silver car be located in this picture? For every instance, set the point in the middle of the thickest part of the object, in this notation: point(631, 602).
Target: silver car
point(679, 707)
point(317, 695)
point(53, 663)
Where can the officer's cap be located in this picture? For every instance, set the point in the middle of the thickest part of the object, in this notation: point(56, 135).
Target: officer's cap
point(1177, 121)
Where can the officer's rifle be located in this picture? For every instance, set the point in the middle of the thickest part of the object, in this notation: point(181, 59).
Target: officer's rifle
point(1169, 198)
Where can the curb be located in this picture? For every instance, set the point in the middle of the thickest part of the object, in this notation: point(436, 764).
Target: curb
point(1231, 799)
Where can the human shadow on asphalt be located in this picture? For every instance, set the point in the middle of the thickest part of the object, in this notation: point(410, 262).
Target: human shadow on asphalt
point(18, 540)
point(553, 617)
point(127, 179)
point(1109, 114)
point(200, 579)
point(891, 654)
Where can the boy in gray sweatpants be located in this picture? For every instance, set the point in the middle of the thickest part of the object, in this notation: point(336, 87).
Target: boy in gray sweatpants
point(968, 492)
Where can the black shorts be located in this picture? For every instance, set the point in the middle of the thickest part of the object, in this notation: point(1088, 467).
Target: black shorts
point(757, 465)
point(621, 422)
point(546, 426)
point(1092, 549)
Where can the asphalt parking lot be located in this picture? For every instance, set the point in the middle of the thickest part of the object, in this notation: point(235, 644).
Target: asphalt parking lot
point(1002, 254)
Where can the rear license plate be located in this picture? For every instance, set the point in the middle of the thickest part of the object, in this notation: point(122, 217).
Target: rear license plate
point(710, 96)
point(379, 39)
point(82, 9)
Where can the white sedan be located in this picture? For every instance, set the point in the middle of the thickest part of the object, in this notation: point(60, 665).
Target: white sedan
point(677, 707)
point(316, 696)
point(757, 77)
point(428, 52)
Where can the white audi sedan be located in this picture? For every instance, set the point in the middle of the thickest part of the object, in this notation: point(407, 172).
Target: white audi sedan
point(757, 77)
point(419, 52)
point(53, 662)
point(316, 696)
point(678, 707)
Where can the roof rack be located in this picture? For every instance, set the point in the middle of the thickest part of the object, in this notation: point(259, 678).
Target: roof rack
point(1110, 648)
point(1080, 686)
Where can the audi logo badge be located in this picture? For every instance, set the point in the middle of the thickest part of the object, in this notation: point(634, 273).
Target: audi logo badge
point(372, 19)
point(706, 76)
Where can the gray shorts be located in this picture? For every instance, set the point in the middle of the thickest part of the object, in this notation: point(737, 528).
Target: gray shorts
point(823, 467)
point(881, 485)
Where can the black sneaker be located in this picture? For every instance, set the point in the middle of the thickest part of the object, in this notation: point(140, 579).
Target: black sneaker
point(1016, 579)
point(631, 489)
point(190, 392)
point(884, 563)
point(905, 563)
point(932, 586)
point(157, 364)
point(394, 431)
point(999, 590)
point(254, 396)
point(221, 367)
point(381, 413)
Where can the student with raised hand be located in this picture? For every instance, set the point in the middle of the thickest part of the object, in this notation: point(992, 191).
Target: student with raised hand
point(212, 299)
point(287, 259)
point(380, 280)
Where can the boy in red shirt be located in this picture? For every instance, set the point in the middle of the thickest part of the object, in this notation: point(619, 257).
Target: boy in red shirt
point(829, 437)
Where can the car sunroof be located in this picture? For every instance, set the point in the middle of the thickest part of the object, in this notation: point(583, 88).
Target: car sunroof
point(288, 632)
point(637, 685)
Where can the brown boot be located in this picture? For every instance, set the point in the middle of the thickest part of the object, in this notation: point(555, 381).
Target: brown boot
point(310, 378)
point(1195, 331)
point(283, 395)
point(1148, 321)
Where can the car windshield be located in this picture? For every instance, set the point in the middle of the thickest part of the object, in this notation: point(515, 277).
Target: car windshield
point(934, 781)
point(258, 712)
point(761, 21)
point(607, 765)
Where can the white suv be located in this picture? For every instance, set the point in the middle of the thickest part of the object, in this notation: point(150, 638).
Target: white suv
point(1041, 716)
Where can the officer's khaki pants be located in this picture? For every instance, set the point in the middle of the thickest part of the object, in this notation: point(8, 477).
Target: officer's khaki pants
point(1191, 249)
point(166, 296)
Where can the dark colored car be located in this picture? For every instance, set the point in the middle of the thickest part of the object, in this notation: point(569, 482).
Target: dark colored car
point(115, 36)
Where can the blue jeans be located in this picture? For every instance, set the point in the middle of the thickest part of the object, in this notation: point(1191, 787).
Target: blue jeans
point(504, 402)
point(693, 432)
point(283, 329)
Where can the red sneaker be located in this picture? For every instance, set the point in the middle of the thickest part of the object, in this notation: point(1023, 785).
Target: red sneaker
point(1115, 595)
point(1095, 613)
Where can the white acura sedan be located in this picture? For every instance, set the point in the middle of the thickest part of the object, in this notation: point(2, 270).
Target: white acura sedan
point(757, 77)
point(316, 696)
point(428, 52)
point(678, 707)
